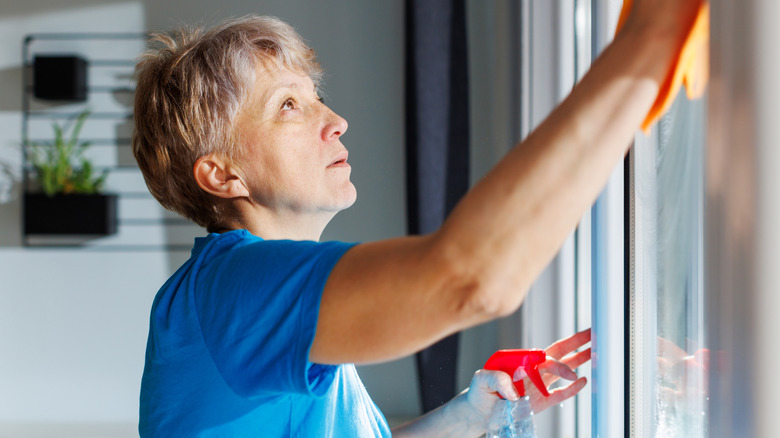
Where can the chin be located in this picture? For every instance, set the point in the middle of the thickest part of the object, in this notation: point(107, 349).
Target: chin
point(350, 201)
point(341, 198)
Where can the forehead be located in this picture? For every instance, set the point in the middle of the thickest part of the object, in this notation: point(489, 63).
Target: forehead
point(271, 77)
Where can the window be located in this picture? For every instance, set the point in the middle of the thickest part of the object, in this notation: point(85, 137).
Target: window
point(666, 310)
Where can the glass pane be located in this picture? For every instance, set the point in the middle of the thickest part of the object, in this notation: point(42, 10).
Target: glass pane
point(667, 311)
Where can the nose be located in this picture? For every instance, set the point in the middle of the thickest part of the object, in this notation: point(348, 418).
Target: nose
point(335, 126)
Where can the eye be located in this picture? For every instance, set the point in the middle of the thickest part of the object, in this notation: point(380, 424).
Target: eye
point(289, 104)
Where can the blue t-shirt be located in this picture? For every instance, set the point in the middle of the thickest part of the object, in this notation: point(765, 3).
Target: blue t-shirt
point(229, 340)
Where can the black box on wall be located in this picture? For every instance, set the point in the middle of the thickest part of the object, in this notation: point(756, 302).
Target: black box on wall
point(60, 78)
point(82, 214)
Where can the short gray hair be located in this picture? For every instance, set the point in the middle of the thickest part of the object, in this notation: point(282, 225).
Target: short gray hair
point(190, 89)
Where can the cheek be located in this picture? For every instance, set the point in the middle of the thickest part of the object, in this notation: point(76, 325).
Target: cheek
point(293, 173)
point(263, 161)
point(278, 162)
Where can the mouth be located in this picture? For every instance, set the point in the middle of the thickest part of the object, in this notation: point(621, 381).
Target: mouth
point(340, 160)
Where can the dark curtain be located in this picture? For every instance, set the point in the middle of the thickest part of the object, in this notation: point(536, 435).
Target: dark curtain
point(437, 149)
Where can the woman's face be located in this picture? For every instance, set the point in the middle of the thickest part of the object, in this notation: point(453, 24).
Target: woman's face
point(291, 152)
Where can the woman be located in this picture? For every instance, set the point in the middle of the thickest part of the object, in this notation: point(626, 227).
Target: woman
point(256, 334)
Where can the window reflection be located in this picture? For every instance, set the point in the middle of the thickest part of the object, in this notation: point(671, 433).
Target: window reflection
point(669, 316)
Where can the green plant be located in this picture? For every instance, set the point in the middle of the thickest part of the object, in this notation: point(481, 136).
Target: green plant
point(60, 165)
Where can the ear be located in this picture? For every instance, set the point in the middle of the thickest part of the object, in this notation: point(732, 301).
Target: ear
point(215, 176)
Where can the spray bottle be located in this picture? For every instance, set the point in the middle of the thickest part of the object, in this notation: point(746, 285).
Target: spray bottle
point(515, 419)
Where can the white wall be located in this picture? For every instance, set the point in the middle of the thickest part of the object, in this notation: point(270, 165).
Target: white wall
point(73, 323)
point(70, 339)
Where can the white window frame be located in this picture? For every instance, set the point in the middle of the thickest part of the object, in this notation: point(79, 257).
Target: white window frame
point(608, 268)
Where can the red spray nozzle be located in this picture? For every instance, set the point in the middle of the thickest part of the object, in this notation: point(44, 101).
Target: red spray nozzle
point(509, 361)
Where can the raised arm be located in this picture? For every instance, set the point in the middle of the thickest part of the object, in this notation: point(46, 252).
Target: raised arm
point(388, 299)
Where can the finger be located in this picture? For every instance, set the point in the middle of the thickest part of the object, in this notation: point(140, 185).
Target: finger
point(572, 361)
point(665, 368)
point(555, 367)
point(496, 382)
point(702, 356)
point(669, 349)
point(559, 395)
point(506, 388)
point(565, 346)
point(575, 360)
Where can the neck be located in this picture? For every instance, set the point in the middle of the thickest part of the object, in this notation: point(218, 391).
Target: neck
point(278, 225)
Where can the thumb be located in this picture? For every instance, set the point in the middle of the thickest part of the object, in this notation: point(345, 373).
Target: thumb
point(496, 382)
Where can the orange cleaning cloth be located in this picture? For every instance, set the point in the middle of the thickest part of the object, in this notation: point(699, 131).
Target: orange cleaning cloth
point(692, 68)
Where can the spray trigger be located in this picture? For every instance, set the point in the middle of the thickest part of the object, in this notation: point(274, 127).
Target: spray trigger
point(519, 364)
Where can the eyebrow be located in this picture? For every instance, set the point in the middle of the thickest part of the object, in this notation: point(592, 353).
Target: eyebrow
point(270, 93)
point(275, 89)
point(293, 85)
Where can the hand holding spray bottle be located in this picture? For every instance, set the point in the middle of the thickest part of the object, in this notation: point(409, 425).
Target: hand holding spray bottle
point(514, 419)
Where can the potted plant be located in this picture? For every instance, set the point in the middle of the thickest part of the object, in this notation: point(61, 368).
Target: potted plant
point(69, 199)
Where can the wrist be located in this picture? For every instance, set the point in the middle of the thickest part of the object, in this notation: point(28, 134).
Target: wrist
point(666, 31)
point(457, 417)
point(672, 18)
point(653, 51)
point(473, 417)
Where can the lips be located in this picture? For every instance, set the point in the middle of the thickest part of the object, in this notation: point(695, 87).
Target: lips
point(340, 160)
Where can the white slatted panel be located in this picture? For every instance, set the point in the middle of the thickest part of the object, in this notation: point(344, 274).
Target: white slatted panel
point(143, 223)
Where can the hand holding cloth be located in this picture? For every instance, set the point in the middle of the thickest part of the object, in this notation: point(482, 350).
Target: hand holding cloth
point(690, 69)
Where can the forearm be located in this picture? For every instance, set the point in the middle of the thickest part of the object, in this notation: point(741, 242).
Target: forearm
point(453, 419)
point(513, 222)
point(392, 298)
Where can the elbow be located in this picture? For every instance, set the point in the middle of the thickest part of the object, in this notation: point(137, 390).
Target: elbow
point(478, 288)
point(461, 290)
point(488, 303)
point(482, 299)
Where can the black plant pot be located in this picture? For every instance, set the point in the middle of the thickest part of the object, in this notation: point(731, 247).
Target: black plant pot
point(70, 214)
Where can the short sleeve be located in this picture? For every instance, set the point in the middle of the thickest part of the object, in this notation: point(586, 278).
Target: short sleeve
point(257, 305)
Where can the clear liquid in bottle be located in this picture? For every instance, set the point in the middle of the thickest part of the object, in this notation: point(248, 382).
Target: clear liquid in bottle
point(512, 419)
